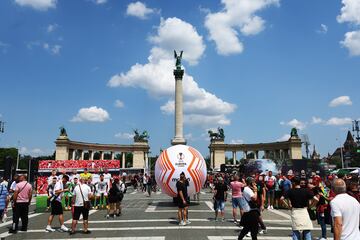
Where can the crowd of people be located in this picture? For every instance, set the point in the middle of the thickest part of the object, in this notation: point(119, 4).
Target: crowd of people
point(332, 201)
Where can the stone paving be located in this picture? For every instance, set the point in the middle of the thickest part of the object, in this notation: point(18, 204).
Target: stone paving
point(154, 218)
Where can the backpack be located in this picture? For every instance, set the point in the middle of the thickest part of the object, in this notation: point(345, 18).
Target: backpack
point(270, 183)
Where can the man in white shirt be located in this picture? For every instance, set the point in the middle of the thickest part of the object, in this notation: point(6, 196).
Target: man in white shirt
point(53, 174)
point(250, 218)
point(81, 194)
point(345, 211)
point(56, 206)
point(107, 178)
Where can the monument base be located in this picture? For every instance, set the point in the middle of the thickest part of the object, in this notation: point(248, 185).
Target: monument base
point(178, 141)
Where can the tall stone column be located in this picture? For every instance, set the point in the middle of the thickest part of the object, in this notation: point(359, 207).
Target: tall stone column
point(73, 154)
point(146, 162)
point(179, 136)
point(112, 156)
point(123, 159)
point(92, 155)
point(102, 155)
point(82, 154)
point(234, 157)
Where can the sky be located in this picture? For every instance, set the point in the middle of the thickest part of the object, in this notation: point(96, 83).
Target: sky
point(102, 68)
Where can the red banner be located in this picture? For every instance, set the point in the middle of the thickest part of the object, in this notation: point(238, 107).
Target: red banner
point(92, 165)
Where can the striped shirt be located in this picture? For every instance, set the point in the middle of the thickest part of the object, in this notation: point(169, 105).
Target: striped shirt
point(3, 195)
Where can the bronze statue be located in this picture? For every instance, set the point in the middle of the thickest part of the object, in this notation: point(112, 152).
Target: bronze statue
point(63, 131)
point(141, 137)
point(217, 135)
point(178, 59)
point(294, 132)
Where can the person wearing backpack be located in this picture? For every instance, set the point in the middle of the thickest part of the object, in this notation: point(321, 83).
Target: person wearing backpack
point(270, 186)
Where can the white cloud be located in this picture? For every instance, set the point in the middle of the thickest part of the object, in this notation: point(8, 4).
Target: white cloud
point(125, 135)
point(237, 141)
point(352, 42)
point(54, 49)
point(100, 1)
point(204, 120)
point(335, 121)
point(91, 114)
point(139, 9)
point(4, 47)
point(41, 5)
point(323, 29)
point(156, 76)
point(350, 12)
point(237, 16)
point(317, 120)
point(51, 27)
point(295, 123)
point(285, 137)
point(35, 152)
point(342, 100)
point(119, 104)
point(189, 137)
point(173, 33)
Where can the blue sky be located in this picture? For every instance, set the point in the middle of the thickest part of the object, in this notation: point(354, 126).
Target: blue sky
point(102, 68)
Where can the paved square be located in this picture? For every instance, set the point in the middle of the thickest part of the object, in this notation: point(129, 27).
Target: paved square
point(155, 218)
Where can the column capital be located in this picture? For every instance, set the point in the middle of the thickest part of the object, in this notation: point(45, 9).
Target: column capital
point(178, 73)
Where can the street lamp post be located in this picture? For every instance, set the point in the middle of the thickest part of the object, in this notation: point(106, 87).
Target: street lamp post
point(18, 156)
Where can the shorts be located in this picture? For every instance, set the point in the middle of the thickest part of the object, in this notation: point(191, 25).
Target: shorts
point(238, 203)
point(56, 208)
point(220, 205)
point(80, 211)
point(99, 194)
point(181, 204)
point(278, 194)
point(270, 193)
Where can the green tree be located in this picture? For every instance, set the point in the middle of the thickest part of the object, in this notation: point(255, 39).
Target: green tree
point(11, 153)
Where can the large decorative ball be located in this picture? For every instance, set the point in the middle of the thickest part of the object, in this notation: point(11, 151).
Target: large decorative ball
point(178, 159)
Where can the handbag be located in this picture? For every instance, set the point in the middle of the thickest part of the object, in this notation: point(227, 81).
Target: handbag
point(312, 213)
point(87, 204)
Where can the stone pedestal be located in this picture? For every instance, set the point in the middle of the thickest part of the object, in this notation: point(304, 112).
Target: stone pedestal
point(139, 156)
point(179, 135)
point(295, 148)
point(62, 150)
point(218, 154)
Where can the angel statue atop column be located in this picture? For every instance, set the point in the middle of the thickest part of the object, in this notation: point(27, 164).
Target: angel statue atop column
point(178, 59)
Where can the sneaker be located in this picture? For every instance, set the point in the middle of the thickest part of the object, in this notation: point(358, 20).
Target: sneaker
point(235, 221)
point(262, 231)
point(216, 220)
point(187, 222)
point(248, 235)
point(87, 232)
point(322, 238)
point(64, 228)
point(107, 216)
point(271, 207)
point(268, 208)
point(182, 223)
point(13, 231)
point(223, 220)
point(49, 229)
